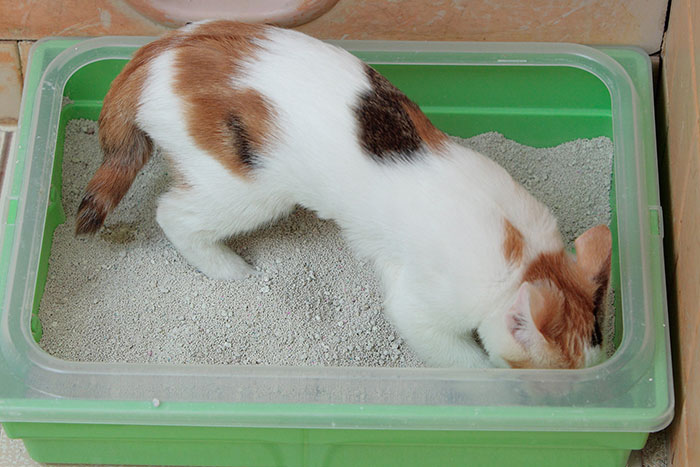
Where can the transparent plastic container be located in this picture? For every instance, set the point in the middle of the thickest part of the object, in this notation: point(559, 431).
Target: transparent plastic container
point(538, 94)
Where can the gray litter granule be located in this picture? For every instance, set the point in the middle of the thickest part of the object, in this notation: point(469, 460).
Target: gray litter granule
point(127, 296)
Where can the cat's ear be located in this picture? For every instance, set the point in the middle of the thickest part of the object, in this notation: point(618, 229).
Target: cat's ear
point(593, 253)
point(528, 316)
point(593, 257)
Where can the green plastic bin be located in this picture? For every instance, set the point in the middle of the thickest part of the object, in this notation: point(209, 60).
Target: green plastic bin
point(538, 94)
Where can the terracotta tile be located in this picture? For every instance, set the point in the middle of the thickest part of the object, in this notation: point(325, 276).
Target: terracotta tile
point(34, 19)
point(24, 48)
point(637, 22)
point(10, 81)
point(598, 22)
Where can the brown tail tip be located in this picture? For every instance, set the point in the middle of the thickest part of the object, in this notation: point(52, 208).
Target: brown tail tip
point(91, 215)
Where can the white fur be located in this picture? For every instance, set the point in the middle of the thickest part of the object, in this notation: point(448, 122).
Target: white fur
point(434, 227)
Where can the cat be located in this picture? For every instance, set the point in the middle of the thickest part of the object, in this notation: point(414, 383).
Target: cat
point(257, 120)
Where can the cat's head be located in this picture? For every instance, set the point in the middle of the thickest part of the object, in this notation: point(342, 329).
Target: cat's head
point(554, 319)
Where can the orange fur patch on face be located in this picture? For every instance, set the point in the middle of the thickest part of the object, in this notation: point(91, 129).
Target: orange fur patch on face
point(568, 323)
point(231, 124)
point(513, 243)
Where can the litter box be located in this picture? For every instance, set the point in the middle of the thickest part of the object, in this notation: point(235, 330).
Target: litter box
point(537, 94)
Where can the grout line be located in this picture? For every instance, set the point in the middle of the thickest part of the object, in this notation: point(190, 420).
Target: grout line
point(21, 65)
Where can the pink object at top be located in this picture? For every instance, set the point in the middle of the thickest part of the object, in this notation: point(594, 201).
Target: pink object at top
point(289, 13)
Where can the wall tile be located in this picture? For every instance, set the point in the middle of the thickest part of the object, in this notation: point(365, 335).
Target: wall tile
point(638, 22)
point(36, 19)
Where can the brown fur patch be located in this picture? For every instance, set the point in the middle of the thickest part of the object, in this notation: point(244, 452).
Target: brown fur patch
point(513, 243)
point(231, 124)
point(601, 281)
point(116, 122)
point(424, 127)
point(124, 146)
point(566, 327)
point(391, 125)
point(104, 191)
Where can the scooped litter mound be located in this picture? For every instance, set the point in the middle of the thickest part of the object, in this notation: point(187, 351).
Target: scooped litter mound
point(126, 295)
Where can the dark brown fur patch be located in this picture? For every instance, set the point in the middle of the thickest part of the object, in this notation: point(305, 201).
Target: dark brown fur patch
point(391, 125)
point(231, 124)
point(513, 243)
point(601, 282)
point(477, 339)
point(567, 327)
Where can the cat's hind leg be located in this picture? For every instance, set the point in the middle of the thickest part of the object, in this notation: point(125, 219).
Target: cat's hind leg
point(197, 221)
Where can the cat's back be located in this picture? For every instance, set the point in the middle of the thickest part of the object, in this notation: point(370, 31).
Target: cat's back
point(280, 86)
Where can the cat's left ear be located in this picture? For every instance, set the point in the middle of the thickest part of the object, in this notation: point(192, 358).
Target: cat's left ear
point(594, 252)
point(527, 315)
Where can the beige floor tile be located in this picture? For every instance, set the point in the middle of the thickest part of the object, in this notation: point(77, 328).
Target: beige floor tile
point(24, 48)
point(10, 81)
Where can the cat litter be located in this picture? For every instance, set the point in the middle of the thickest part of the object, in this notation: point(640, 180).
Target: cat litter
point(126, 295)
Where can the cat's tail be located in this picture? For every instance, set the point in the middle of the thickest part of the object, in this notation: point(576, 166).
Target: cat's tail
point(126, 149)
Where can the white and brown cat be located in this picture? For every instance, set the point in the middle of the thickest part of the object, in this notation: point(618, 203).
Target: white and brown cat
point(257, 119)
